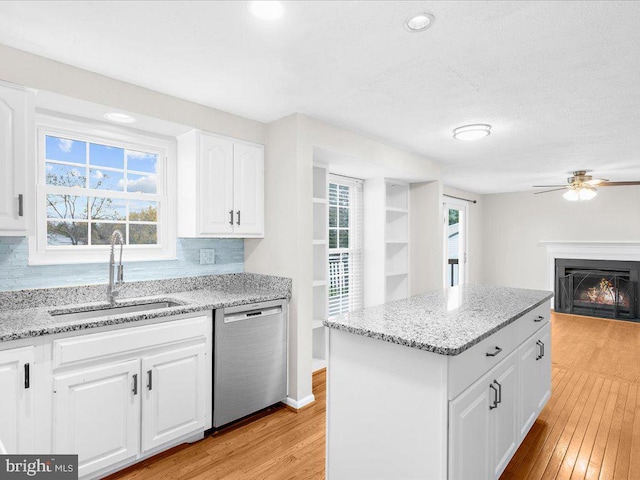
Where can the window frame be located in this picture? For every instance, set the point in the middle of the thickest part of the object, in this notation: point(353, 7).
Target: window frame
point(40, 253)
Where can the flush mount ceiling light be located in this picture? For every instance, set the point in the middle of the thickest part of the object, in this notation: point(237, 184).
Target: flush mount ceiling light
point(472, 132)
point(119, 117)
point(266, 11)
point(419, 22)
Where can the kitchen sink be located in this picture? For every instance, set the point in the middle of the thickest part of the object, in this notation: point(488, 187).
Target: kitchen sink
point(82, 314)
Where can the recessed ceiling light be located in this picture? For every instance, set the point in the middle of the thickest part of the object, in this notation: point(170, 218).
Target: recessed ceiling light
point(472, 132)
point(419, 22)
point(119, 117)
point(267, 11)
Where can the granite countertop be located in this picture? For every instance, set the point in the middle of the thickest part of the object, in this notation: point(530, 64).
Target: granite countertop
point(447, 321)
point(25, 313)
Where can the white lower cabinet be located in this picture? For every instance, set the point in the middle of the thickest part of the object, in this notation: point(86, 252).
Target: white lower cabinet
point(97, 415)
point(483, 424)
point(174, 397)
point(119, 398)
point(535, 377)
point(16, 401)
point(490, 418)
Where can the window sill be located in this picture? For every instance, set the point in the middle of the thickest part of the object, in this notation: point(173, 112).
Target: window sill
point(95, 254)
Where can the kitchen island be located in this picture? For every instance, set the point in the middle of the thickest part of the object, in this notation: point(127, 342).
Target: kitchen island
point(442, 385)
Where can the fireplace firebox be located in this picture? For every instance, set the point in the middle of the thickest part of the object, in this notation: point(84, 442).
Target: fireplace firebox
point(598, 288)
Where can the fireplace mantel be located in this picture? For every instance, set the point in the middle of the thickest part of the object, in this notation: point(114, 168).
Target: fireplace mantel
point(589, 251)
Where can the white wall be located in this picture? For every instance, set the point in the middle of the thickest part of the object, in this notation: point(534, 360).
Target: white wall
point(515, 223)
point(426, 237)
point(286, 249)
point(37, 72)
point(475, 222)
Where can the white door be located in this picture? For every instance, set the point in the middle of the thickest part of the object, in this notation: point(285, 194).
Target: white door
point(175, 391)
point(469, 446)
point(216, 215)
point(248, 171)
point(16, 402)
point(97, 415)
point(528, 369)
point(504, 423)
point(13, 160)
point(543, 372)
point(455, 241)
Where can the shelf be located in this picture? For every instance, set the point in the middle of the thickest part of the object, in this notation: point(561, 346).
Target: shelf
point(317, 324)
point(318, 364)
point(319, 200)
point(397, 241)
point(319, 283)
point(395, 274)
point(397, 210)
point(319, 242)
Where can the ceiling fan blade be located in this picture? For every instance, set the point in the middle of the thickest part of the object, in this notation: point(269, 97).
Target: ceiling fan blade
point(550, 186)
point(596, 181)
point(618, 184)
point(547, 191)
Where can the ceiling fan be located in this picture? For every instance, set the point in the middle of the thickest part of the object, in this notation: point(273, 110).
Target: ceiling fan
point(581, 186)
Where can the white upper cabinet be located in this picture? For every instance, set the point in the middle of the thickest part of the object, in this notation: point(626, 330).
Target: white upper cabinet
point(16, 160)
point(220, 186)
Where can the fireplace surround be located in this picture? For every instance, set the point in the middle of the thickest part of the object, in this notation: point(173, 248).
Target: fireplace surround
point(599, 288)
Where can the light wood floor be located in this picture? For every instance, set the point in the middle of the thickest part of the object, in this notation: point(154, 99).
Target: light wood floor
point(589, 429)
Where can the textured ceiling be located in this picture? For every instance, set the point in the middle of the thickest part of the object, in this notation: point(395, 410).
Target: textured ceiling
point(559, 81)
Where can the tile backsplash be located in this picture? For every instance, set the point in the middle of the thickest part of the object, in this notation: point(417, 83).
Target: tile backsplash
point(16, 274)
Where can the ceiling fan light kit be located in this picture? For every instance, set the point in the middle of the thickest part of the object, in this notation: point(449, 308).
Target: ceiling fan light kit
point(582, 186)
point(580, 193)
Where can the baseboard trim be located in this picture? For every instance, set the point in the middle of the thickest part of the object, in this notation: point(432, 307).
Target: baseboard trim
point(298, 404)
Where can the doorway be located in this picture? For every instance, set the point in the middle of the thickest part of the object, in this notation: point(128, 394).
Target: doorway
point(455, 243)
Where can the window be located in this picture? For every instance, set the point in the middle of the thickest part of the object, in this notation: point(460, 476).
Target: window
point(93, 182)
point(345, 245)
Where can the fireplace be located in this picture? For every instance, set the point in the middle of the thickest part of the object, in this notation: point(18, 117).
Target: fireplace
point(598, 288)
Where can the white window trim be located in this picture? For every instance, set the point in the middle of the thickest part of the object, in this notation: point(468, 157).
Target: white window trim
point(41, 254)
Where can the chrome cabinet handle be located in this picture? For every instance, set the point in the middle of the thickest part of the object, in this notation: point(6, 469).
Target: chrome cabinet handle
point(494, 353)
point(495, 397)
point(230, 217)
point(238, 214)
point(135, 384)
point(541, 351)
point(21, 205)
point(149, 380)
point(539, 318)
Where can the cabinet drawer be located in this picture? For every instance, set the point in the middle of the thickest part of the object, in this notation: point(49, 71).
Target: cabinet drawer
point(470, 365)
point(533, 321)
point(72, 350)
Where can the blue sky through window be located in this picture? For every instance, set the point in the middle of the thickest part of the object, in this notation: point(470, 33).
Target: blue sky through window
point(65, 150)
point(142, 162)
point(106, 156)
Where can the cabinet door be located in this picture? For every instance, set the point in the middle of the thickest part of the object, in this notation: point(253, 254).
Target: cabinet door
point(504, 423)
point(215, 206)
point(97, 415)
point(175, 392)
point(469, 427)
point(248, 171)
point(16, 403)
point(543, 371)
point(528, 368)
point(13, 160)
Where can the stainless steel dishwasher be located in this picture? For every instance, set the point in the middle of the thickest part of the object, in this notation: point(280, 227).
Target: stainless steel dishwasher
point(249, 359)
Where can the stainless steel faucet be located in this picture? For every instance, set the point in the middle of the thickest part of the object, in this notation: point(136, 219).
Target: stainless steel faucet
point(113, 289)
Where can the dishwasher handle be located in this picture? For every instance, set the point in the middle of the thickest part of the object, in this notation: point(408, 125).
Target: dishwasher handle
point(251, 314)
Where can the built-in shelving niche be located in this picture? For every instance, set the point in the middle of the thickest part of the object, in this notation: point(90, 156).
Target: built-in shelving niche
point(320, 265)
